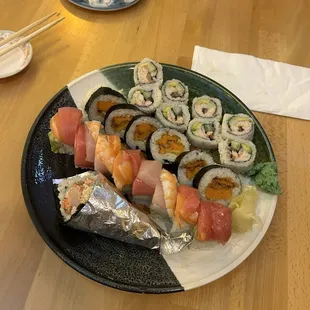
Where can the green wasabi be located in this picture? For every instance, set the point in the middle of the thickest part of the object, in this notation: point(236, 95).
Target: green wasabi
point(266, 177)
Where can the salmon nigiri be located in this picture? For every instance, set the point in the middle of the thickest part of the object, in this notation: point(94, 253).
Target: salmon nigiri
point(123, 172)
point(107, 148)
point(80, 149)
point(187, 206)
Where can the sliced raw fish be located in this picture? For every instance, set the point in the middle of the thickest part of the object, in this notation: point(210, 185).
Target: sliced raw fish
point(149, 172)
point(80, 149)
point(170, 188)
point(92, 132)
point(67, 122)
point(135, 157)
point(139, 188)
point(122, 173)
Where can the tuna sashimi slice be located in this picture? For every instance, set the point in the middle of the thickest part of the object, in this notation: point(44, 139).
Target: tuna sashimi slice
point(92, 132)
point(80, 149)
point(67, 123)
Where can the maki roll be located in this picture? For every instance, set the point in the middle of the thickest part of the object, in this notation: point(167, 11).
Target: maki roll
point(204, 133)
point(101, 101)
point(146, 98)
point(167, 144)
point(191, 163)
point(174, 91)
point(118, 117)
point(237, 126)
point(138, 131)
point(237, 154)
point(207, 107)
point(217, 183)
point(173, 115)
point(148, 72)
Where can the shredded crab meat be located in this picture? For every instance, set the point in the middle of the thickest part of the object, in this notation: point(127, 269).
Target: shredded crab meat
point(173, 118)
point(241, 155)
point(138, 99)
point(145, 76)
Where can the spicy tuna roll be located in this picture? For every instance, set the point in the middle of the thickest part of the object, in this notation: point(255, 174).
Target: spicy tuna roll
point(148, 71)
point(146, 98)
point(217, 183)
point(139, 130)
point(237, 154)
point(237, 126)
point(207, 107)
point(101, 101)
point(204, 133)
point(173, 116)
point(118, 117)
point(191, 163)
point(174, 91)
point(167, 144)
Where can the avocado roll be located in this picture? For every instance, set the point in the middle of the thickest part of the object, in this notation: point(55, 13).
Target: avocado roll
point(173, 116)
point(207, 107)
point(148, 71)
point(237, 126)
point(101, 101)
point(204, 133)
point(174, 91)
point(237, 154)
point(191, 163)
point(118, 117)
point(217, 183)
point(138, 131)
point(146, 98)
point(167, 144)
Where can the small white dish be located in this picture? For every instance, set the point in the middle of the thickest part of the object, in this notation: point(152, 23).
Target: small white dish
point(15, 60)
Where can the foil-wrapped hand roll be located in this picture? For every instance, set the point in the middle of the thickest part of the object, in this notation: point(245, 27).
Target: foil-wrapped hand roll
point(89, 202)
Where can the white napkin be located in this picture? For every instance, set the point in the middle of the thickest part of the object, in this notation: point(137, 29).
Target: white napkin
point(263, 85)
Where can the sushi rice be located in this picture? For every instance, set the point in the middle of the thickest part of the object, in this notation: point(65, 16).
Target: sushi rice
point(173, 115)
point(174, 91)
point(207, 107)
point(237, 154)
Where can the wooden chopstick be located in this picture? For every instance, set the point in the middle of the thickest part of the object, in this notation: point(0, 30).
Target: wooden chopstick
point(29, 37)
point(22, 31)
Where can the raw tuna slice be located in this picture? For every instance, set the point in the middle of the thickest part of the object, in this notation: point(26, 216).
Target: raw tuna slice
point(80, 149)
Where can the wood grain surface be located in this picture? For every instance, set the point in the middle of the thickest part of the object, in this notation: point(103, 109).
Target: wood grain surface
point(277, 274)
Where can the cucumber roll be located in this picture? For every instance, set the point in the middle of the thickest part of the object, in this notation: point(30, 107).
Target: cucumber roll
point(146, 98)
point(101, 101)
point(237, 126)
point(217, 183)
point(173, 116)
point(174, 91)
point(166, 145)
point(139, 130)
point(148, 72)
point(203, 133)
point(191, 163)
point(118, 117)
point(207, 107)
point(237, 154)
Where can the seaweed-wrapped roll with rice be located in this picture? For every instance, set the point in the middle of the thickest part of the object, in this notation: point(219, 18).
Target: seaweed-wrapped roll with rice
point(100, 101)
point(207, 107)
point(173, 116)
point(174, 91)
point(204, 133)
point(148, 71)
point(237, 126)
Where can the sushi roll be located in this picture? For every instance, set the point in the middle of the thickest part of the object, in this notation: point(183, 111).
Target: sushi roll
point(237, 126)
point(173, 115)
point(118, 117)
point(138, 131)
point(148, 72)
point(174, 91)
point(237, 154)
point(207, 107)
point(166, 145)
point(146, 98)
point(204, 133)
point(217, 183)
point(101, 101)
point(190, 164)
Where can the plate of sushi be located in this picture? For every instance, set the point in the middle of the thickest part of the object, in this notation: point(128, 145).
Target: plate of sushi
point(104, 5)
point(149, 177)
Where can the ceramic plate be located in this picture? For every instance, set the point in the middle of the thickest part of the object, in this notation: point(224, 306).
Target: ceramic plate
point(104, 5)
point(113, 263)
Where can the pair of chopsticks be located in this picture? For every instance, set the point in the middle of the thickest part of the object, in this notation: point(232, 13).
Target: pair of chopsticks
point(30, 36)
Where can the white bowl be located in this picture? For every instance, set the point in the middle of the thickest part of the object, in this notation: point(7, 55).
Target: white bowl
point(15, 60)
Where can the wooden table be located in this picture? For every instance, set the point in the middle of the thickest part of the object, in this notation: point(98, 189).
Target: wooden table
point(276, 275)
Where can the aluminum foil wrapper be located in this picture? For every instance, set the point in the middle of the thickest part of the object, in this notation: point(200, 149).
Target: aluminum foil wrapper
point(109, 214)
